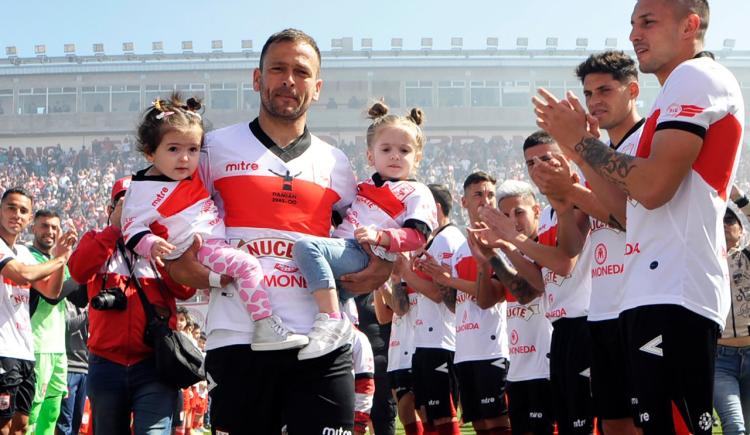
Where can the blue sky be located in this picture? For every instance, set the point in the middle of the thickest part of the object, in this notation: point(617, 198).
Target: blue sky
point(112, 22)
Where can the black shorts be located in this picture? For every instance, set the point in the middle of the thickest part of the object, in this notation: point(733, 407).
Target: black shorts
point(401, 382)
point(530, 407)
point(481, 387)
point(435, 385)
point(612, 398)
point(259, 392)
point(16, 386)
point(671, 352)
point(569, 366)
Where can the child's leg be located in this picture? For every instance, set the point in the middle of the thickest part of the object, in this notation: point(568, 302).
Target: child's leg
point(220, 257)
point(321, 261)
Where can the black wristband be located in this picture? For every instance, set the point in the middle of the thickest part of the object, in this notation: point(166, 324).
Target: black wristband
point(742, 201)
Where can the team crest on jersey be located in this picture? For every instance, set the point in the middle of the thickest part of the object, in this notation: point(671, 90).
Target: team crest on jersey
point(600, 253)
point(403, 190)
point(684, 110)
point(514, 337)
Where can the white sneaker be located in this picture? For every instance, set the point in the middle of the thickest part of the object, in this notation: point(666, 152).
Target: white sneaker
point(271, 334)
point(326, 336)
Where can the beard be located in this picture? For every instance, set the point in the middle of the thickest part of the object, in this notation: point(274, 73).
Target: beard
point(282, 109)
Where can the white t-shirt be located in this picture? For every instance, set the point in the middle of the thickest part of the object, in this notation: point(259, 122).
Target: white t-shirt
point(172, 210)
point(269, 198)
point(388, 206)
point(529, 335)
point(609, 254)
point(677, 253)
point(480, 334)
point(16, 338)
point(401, 344)
point(567, 296)
point(435, 326)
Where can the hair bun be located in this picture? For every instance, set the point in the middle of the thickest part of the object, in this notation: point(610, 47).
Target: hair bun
point(377, 110)
point(193, 104)
point(416, 116)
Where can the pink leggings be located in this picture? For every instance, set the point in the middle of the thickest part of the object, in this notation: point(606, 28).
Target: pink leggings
point(219, 256)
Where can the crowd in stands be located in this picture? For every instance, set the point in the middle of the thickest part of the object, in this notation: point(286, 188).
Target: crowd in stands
point(76, 182)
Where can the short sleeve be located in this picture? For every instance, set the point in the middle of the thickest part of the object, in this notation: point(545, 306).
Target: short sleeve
point(420, 205)
point(692, 99)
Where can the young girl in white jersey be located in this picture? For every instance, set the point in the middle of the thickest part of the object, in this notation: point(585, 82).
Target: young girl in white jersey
point(167, 204)
point(391, 213)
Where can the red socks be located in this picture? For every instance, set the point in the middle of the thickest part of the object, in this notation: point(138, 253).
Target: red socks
point(414, 428)
point(451, 428)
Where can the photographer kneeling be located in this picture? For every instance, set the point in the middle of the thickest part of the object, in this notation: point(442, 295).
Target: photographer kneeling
point(122, 373)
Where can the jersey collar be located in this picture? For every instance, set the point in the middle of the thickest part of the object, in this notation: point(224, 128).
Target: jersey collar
point(379, 181)
point(291, 151)
point(630, 132)
point(141, 176)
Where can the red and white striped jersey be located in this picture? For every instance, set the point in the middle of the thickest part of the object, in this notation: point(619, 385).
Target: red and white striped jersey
point(172, 210)
point(676, 253)
point(388, 206)
point(270, 197)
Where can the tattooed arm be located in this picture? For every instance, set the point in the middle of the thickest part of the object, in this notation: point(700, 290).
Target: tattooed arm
point(518, 287)
point(653, 180)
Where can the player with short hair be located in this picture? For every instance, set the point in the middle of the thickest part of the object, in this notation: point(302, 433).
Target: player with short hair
point(676, 287)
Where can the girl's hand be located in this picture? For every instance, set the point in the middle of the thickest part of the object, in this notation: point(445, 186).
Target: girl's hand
point(159, 249)
point(367, 235)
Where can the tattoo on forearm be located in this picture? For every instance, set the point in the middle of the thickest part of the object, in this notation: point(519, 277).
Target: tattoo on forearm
point(518, 287)
point(608, 163)
point(401, 298)
point(614, 223)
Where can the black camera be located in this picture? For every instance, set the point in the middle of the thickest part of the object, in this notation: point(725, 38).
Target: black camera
point(110, 299)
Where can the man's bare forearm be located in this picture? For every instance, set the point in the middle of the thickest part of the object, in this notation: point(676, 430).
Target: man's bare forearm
point(449, 297)
point(613, 166)
point(518, 287)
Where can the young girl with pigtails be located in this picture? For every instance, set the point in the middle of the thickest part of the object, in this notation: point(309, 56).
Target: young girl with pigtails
point(167, 205)
point(392, 213)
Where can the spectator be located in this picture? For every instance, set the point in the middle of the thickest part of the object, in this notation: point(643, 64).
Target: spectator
point(122, 373)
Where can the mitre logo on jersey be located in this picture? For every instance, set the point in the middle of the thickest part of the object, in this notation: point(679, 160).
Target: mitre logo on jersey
point(241, 166)
point(160, 195)
point(270, 247)
point(684, 110)
point(600, 253)
point(444, 255)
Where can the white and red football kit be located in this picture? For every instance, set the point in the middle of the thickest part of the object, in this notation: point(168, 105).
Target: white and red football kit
point(364, 379)
point(16, 339)
point(156, 206)
point(567, 296)
point(401, 344)
point(480, 334)
point(609, 247)
point(389, 204)
point(529, 335)
point(435, 325)
point(267, 201)
point(677, 252)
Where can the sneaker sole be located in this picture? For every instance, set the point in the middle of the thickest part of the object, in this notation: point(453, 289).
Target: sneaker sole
point(302, 356)
point(290, 344)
